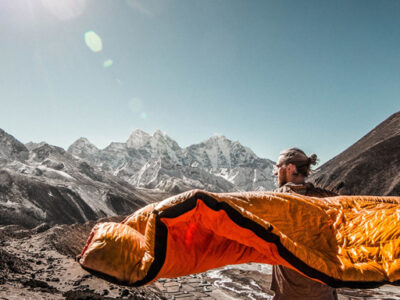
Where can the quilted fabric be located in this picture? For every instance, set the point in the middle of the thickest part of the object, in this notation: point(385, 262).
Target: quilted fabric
point(343, 241)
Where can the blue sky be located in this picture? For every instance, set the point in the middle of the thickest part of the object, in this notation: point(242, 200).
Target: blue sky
point(272, 74)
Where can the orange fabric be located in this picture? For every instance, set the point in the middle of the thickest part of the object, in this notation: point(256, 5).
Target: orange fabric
point(341, 241)
point(116, 250)
point(205, 239)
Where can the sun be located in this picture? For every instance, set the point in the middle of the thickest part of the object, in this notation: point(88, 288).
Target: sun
point(65, 9)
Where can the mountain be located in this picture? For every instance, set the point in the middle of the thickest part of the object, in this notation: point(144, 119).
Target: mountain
point(371, 166)
point(158, 162)
point(233, 162)
point(159, 144)
point(83, 148)
point(44, 183)
point(12, 149)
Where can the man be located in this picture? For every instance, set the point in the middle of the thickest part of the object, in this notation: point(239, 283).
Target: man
point(292, 169)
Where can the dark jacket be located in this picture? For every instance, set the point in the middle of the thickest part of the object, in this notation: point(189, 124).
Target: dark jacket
point(288, 284)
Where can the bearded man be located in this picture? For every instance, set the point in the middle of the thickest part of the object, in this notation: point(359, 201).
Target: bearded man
point(292, 169)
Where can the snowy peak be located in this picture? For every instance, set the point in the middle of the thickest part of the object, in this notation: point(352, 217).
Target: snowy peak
point(218, 148)
point(83, 148)
point(83, 143)
point(217, 138)
point(161, 139)
point(158, 144)
point(11, 148)
point(138, 139)
point(220, 152)
point(157, 161)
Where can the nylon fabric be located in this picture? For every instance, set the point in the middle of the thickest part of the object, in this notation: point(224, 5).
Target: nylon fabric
point(341, 241)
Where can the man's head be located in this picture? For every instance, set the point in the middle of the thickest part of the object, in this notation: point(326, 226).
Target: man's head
point(293, 166)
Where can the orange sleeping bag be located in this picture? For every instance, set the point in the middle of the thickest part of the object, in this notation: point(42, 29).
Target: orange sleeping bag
point(343, 241)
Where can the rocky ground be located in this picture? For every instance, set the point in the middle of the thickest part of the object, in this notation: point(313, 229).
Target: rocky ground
point(39, 264)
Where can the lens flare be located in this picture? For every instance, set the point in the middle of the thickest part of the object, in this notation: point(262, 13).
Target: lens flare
point(143, 116)
point(108, 63)
point(93, 41)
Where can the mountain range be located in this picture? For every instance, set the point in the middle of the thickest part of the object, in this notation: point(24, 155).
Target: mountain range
point(157, 162)
point(44, 183)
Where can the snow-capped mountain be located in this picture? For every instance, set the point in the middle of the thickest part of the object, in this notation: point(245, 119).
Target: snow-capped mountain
point(83, 148)
point(162, 174)
point(233, 162)
point(159, 144)
point(156, 161)
point(219, 152)
point(44, 183)
point(12, 149)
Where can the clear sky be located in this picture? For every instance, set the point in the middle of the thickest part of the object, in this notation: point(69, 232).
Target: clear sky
point(270, 74)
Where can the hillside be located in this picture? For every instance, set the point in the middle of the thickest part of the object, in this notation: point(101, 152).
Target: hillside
point(371, 166)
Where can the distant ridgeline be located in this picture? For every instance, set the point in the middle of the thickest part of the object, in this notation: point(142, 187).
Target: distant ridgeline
point(157, 161)
point(44, 183)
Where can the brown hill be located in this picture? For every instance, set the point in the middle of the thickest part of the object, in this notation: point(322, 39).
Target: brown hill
point(371, 166)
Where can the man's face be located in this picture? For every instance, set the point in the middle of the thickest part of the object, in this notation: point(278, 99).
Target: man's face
point(280, 173)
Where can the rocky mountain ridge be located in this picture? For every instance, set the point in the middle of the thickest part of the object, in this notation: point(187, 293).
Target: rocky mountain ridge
point(158, 162)
point(44, 183)
point(371, 166)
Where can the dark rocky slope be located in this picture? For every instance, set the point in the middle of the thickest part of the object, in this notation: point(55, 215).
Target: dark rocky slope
point(371, 166)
